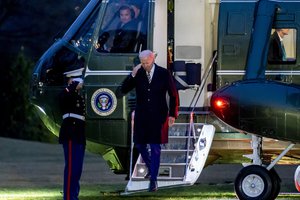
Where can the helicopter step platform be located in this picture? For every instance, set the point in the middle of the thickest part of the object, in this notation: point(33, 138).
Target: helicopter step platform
point(182, 158)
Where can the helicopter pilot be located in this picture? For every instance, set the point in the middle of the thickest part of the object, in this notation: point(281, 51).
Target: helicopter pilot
point(124, 36)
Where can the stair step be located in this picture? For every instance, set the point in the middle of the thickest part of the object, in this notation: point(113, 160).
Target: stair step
point(165, 164)
point(182, 129)
point(158, 178)
point(182, 159)
point(164, 171)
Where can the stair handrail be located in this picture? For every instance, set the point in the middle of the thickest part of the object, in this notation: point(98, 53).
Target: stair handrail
point(131, 145)
point(190, 133)
point(203, 82)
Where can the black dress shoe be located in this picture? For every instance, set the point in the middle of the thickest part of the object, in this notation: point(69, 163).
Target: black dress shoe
point(147, 176)
point(152, 186)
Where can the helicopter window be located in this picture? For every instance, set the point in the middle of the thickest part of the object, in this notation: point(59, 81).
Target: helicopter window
point(282, 46)
point(83, 38)
point(124, 27)
point(56, 65)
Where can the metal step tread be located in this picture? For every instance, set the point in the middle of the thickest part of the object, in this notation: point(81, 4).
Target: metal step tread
point(134, 178)
point(166, 164)
point(176, 150)
point(189, 165)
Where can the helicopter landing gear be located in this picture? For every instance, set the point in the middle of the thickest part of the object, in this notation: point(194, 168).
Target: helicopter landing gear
point(256, 181)
point(253, 182)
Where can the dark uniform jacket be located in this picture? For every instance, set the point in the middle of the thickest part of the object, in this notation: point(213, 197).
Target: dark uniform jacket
point(125, 38)
point(275, 53)
point(151, 113)
point(72, 128)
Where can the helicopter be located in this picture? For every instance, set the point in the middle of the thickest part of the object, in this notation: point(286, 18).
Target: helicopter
point(204, 55)
point(263, 100)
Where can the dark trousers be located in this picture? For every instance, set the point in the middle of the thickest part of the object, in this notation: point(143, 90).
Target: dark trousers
point(74, 154)
point(152, 161)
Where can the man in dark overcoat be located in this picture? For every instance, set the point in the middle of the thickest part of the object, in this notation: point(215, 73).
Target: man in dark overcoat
point(276, 48)
point(153, 114)
point(71, 134)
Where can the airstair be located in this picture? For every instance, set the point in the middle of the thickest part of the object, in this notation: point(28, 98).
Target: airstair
point(182, 158)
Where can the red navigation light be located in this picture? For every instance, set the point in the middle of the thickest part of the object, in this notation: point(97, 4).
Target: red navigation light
point(221, 103)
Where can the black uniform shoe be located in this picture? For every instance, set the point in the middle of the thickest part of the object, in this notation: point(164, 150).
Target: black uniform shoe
point(152, 186)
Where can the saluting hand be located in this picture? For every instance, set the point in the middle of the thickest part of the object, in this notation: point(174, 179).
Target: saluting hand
point(171, 121)
point(135, 69)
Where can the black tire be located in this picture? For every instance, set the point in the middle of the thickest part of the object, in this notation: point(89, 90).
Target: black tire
point(276, 181)
point(253, 183)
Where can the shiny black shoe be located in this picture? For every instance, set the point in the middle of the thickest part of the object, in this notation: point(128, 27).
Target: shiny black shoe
point(147, 176)
point(152, 186)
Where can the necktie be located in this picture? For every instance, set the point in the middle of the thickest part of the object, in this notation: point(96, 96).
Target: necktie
point(283, 52)
point(149, 77)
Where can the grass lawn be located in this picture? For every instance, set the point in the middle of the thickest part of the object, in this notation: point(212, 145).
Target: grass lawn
point(114, 192)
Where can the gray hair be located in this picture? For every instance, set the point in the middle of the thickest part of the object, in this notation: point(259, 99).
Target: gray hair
point(146, 54)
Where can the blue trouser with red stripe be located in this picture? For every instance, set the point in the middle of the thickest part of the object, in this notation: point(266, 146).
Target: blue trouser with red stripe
point(152, 161)
point(74, 154)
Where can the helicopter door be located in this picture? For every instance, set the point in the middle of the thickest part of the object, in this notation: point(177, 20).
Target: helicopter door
point(121, 33)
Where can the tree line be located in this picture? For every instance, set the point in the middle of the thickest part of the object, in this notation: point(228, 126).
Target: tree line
point(27, 29)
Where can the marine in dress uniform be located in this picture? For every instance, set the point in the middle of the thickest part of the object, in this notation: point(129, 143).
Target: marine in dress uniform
point(153, 114)
point(71, 134)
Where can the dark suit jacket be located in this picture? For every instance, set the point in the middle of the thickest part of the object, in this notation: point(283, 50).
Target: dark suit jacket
point(152, 111)
point(125, 38)
point(275, 53)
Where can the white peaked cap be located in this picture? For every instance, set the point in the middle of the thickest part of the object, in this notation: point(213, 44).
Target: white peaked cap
point(74, 73)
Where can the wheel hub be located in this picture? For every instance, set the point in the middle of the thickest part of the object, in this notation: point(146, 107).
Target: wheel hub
point(253, 185)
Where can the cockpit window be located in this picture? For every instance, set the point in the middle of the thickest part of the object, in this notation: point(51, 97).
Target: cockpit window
point(83, 38)
point(54, 68)
point(282, 46)
point(124, 27)
point(70, 54)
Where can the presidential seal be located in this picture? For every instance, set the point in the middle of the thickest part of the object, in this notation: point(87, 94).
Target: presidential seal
point(104, 102)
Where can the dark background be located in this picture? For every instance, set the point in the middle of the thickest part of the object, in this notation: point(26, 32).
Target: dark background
point(27, 29)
